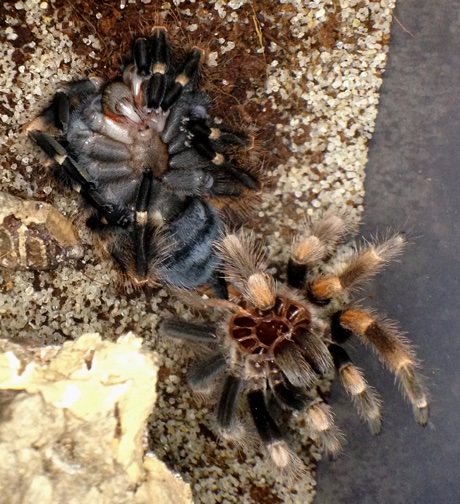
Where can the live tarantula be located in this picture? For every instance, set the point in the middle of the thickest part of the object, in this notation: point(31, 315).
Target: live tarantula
point(278, 338)
point(148, 159)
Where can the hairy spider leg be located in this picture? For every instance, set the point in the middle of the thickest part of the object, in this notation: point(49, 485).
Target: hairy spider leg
point(321, 420)
point(228, 403)
point(186, 77)
point(267, 428)
point(141, 234)
point(363, 265)
point(244, 266)
point(141, 57)
point(204, 147)
point(314, 351)
point(181, 329)
point(270, 434)
point(218, 284)
point(394, 351)
point(202, 375)
point(202, 140)
point(57, 114)
point(61, 106)
point(317, 242)
point(159, 62)
point(295, 367)
point(89, 189)
point(287, 394)
point(353, 381)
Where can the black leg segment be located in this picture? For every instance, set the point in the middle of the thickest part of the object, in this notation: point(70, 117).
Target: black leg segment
point(88, 189)
point(296, 274)
point(227, 408)
point(141, 231)
point(187, 74)
point(338, 333)
point(203, 373)
point(266, 427)
point(61, 110)
point(141, 57)
point(177, 328)
point(290, 396)
point(160, 61)
point(339, 355)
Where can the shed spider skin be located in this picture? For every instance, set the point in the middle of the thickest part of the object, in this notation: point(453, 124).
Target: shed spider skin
point(150, 162)
point(276, 339)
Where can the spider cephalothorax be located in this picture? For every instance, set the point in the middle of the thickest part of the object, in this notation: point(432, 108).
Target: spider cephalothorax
point(150, 161)
point(278, 338)
point(262, 331)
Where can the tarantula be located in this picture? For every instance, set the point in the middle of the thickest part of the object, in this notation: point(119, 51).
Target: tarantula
point(278, 338)
point(150, 162)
